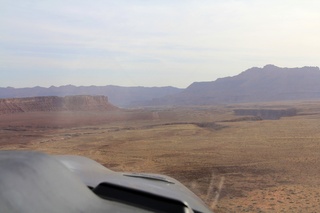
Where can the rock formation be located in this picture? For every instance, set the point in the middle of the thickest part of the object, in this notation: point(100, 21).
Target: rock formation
point(268, 114)
point(54, 103)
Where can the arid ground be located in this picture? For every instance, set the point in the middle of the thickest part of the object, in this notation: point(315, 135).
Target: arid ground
point(235, 164)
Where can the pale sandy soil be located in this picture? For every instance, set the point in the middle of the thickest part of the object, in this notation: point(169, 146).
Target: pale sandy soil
point(244, 166)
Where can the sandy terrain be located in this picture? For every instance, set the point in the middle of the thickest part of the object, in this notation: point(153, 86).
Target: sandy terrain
point(235, 165)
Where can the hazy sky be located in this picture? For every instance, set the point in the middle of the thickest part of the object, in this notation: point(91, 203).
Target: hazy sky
point(151, 43)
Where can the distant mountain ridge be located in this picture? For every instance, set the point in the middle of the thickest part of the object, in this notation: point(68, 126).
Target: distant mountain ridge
point(119, 96)
point(270, 83)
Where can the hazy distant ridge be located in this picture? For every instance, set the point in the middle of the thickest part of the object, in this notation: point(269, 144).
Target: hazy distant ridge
point(270, 83)
point(119, 96)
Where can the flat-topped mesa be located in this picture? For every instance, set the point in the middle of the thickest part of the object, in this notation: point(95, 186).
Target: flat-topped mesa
point(54, 103)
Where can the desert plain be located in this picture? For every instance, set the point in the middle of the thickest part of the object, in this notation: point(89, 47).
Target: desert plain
point(234, 163)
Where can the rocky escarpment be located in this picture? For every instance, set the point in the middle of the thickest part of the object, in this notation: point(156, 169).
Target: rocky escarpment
point(267, 114)
point(53, 103)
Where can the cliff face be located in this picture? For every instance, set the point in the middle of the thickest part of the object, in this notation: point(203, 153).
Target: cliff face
point(268, 114)
point(53, 103)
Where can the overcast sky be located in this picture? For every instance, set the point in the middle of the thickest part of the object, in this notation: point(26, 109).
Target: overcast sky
point(151, 43)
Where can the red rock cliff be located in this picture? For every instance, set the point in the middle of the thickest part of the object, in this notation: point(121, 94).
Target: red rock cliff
point(53, 103)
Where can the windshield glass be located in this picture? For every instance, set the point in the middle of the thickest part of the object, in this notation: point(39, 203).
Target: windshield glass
point(221, 95)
